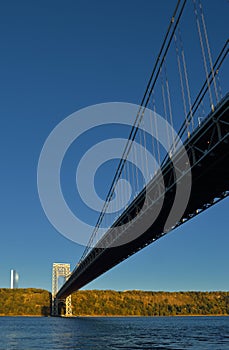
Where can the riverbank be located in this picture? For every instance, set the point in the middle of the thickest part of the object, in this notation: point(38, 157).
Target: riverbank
point(108, 303)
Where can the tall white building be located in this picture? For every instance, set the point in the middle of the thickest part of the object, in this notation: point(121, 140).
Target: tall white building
point(14, 278)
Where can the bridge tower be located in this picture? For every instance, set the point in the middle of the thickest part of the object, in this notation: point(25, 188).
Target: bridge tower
point(60, 270)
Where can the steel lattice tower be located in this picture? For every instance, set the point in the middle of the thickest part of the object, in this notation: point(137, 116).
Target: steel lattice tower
point(60, 270)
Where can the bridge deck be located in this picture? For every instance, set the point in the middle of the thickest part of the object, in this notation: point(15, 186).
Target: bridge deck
point(208, 151)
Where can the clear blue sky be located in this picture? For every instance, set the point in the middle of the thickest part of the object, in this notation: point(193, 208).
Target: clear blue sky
point(57, 57)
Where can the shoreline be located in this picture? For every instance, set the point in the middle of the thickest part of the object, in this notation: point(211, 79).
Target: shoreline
point(114, 316)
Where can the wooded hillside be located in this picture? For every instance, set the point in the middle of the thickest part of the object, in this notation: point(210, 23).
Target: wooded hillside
point(141, 303)
point(36, 302)
point(29, 301)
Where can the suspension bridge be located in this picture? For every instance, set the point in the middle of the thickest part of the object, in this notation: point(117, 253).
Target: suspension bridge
point(194, 162)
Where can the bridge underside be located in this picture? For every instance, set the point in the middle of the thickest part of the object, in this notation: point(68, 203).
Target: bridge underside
point(208, 152)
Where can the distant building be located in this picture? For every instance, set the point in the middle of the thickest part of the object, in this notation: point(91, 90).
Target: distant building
point(14, 278)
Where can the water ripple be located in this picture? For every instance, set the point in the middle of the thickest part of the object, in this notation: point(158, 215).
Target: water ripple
point(106, 333)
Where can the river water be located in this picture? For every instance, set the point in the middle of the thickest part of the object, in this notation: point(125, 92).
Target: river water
point(28, 333)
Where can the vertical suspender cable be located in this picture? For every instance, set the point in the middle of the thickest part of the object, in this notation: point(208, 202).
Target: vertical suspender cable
point(157, 140)
point(203, 54)
point(186, 79)
point(181, 83)
point(165, 108)
point(132, 167)
point(169, 105)
point(209, 51)
point(153, 148)
point(128, 177)
point(141, 153)
point(136, 169)
point(145, 148)
point(154, 118)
